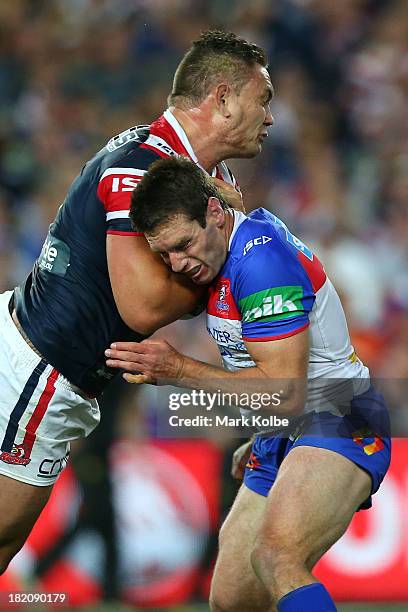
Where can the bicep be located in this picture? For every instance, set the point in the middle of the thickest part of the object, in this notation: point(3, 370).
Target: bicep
point(147, 294)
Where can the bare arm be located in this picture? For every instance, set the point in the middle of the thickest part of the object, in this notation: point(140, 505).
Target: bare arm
point(147, 293)
point(279, 363)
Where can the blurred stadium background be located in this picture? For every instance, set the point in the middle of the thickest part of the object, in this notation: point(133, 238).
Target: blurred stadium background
point(134, 519)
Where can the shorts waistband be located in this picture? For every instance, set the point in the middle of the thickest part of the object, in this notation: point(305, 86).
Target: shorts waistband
point(21, 331)
point(32, 356)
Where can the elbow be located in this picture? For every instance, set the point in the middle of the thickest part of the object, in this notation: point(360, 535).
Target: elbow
point(292, 399)
point(142, 325)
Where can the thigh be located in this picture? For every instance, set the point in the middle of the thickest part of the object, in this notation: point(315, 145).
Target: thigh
point(234, 578)
point(312, 502)
point(20, 506)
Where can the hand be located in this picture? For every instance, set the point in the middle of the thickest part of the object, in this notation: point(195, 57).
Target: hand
point(155, 361)
point(240, 459)
point(230, 194)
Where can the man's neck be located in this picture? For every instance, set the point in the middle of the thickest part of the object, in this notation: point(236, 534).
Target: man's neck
point(196, 124)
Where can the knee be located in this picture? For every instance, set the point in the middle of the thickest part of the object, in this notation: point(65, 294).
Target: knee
point(269, 560)
point(8, 549)
point(224, 598)
point(4, 562)
point(215, 605)
point(220, 601)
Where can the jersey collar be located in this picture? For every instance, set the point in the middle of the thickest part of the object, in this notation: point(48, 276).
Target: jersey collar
point(239, 218)
point(171, 119)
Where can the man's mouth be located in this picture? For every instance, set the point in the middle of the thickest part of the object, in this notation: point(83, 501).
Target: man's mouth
point(194, 271)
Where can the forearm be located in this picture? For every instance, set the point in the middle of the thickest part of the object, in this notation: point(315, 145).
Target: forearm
point(271, 385)
point(280, 396)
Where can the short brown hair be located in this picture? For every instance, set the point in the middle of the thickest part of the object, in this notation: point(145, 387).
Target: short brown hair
point(172, 186)
point(214, 55)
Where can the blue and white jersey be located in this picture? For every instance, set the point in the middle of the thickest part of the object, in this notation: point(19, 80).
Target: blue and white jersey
point(272, 286)
point(66, 306)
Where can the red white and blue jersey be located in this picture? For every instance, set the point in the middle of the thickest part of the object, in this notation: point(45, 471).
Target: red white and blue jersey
point(271, 287)
point(66, 306)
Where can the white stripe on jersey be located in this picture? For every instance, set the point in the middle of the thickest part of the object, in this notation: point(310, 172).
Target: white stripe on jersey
point(131, 171)
point(226, 175)
point(170, 118)
point(117, 214)
point(158, 143)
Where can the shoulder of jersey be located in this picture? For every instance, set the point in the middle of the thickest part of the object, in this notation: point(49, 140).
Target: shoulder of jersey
point(124, 153)
point(256, 235)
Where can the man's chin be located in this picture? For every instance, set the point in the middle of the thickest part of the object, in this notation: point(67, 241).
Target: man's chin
point(250, 152)
point(205, 277)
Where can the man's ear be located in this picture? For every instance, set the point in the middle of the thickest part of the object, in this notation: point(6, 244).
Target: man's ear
point(215, 212)
point(223, 95)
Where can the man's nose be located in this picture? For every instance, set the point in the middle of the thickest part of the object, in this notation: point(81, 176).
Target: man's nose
point(269, 119)
point(177, 261)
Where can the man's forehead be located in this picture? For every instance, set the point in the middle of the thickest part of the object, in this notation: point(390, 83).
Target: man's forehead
point(267, 80)
point(170, 233)
point(261, 79)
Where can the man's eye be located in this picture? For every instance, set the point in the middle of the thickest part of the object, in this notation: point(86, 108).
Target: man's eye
point(184, 246)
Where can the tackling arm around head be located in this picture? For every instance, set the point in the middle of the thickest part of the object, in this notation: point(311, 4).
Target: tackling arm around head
point(147, 293)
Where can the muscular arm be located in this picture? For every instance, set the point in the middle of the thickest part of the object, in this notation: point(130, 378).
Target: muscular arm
point(281, 366)
point(147, 294)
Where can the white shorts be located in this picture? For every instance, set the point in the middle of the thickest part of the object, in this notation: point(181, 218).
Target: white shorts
point(40, 410)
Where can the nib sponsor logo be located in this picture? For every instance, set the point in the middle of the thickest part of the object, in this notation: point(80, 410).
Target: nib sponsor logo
point(272, 304)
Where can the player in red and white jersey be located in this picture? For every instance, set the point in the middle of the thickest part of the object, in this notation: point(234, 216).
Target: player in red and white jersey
point(96, 279)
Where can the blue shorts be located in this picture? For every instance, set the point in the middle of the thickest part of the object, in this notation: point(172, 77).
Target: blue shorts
point(362, 436)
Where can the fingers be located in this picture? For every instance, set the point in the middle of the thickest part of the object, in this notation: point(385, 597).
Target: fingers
point(231, 195)
point(128, 356)
point(133, 347)
point(236, 468)
point(130, 366)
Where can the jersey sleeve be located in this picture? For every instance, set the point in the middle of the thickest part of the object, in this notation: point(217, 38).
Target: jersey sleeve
point(273, 292)
point(115, 192)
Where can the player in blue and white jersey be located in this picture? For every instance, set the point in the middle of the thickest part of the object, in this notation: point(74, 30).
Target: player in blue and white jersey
point(280, 326)
point(96, 278)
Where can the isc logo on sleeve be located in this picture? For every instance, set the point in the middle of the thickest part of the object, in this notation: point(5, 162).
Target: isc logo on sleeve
point(124, 183)
point(256, 242)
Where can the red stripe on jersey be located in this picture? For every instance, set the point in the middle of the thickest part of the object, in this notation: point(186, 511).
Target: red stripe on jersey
point(115, 191)
point(162, 128)
point(280, 337)
point(157, 151)
point(315, 271)
point(118, 233)
point(39, 412)
point(221, 303)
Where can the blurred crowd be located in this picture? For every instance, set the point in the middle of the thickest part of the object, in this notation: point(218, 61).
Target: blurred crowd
point(334, 167)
